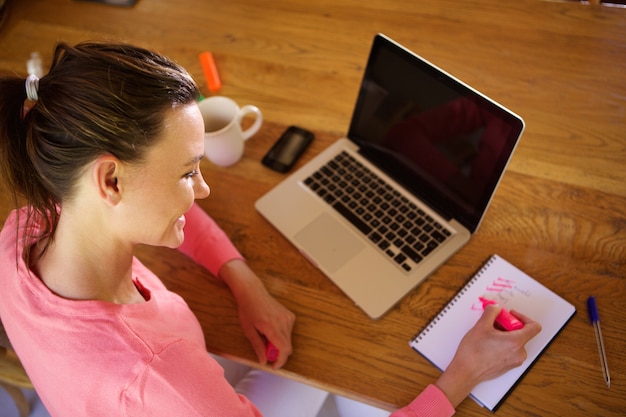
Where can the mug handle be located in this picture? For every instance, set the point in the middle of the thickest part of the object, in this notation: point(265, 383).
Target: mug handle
point(250, 109)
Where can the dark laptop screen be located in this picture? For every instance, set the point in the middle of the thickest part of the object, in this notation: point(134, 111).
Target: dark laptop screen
point(438, 137)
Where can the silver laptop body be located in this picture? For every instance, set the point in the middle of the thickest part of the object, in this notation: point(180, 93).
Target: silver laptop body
point(380, 210)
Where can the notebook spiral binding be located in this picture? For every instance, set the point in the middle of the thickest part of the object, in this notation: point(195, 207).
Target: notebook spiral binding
point(456, 298)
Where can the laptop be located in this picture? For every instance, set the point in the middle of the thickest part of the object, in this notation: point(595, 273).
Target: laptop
point(381, 209)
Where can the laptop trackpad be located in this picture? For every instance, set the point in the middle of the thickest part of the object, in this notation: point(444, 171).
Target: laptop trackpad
point(328, 242)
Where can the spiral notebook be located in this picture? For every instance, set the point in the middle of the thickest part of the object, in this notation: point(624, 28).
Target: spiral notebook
point(513, 289)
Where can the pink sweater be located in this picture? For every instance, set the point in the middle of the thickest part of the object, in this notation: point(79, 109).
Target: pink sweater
point(93, 358)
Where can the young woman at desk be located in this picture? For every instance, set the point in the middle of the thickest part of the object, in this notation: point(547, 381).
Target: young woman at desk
point(105, 149)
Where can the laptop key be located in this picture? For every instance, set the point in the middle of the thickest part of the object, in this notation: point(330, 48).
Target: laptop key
point(352, 218)
point(400, 258)
point(375, 237)
point(411, 254)
point(427, 250)
point(438, 236)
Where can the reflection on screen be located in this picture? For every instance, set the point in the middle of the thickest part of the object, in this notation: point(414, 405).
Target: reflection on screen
point(432, 133)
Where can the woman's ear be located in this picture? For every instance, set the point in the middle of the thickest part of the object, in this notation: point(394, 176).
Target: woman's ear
point(106, 171)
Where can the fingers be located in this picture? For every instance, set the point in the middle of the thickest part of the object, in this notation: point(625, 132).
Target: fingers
point(280, 347)
point(531, 327)
point(279, 335)
point(489, 315)
point(521, 316)
point(258, 344)
point(279, 338)
point(486, 352)
point(520, 337)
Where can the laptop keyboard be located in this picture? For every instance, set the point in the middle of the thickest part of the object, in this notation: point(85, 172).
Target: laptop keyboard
point(400, 229)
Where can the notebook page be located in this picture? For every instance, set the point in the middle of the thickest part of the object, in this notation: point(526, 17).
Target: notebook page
point(512, 289)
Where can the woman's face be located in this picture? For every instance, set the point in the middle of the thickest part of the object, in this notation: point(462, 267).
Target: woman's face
point(158, 192)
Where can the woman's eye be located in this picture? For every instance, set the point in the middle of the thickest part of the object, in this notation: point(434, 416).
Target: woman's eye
point(191, 174)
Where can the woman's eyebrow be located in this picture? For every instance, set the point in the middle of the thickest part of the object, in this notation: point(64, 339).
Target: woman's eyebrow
point(195, 160)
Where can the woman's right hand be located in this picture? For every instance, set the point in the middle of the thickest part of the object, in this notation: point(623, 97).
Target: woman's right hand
point(485, 353)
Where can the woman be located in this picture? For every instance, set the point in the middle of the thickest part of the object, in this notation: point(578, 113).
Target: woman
point(106, 151)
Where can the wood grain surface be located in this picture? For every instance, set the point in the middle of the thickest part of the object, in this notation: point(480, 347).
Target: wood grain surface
point(559, 214)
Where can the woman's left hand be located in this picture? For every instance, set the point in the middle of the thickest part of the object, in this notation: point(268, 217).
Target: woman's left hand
point(262, 317)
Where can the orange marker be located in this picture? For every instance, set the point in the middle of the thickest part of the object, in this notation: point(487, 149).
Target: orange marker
point(210, 72)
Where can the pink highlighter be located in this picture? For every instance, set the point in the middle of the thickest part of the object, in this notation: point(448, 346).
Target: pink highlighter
point(271, 352)
point(505, 320)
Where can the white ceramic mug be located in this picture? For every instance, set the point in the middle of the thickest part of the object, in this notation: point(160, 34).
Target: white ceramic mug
point(223, 135)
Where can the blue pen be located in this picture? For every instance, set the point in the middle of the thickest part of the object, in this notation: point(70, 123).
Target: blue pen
point(595, 321)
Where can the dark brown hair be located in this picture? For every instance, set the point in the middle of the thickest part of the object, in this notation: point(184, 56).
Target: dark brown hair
point(97, 98)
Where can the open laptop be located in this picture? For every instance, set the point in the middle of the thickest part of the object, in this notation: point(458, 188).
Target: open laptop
point(380, 210)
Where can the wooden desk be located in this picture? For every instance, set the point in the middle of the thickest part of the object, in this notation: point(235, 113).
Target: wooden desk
point(559, 214)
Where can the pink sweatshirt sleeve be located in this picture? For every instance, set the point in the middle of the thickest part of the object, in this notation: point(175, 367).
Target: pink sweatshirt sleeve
point(205, 242)
point(430, 403)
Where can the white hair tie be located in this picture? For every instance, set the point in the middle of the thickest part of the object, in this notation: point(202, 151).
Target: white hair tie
point(32, 85)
